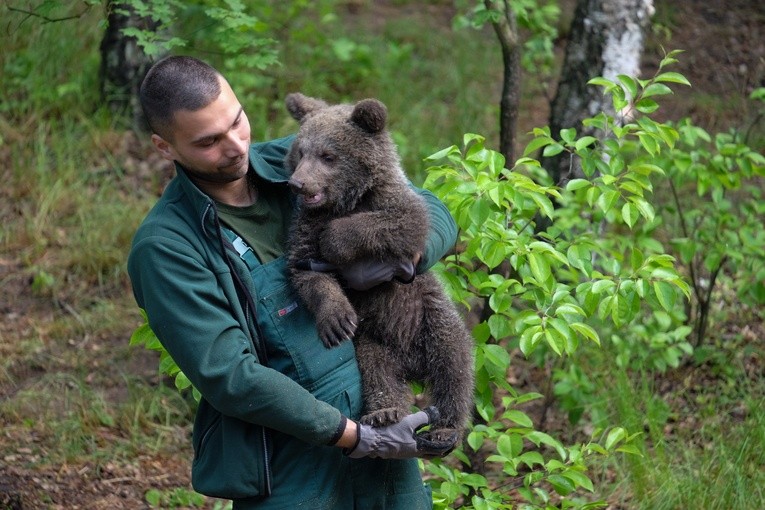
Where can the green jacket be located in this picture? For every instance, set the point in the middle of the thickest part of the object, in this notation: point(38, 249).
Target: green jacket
point(195, 290)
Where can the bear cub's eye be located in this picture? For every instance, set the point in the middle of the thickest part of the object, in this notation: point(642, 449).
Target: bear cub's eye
point(328, 157)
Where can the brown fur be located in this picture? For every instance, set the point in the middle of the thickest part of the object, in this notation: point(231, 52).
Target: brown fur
point(345, 162)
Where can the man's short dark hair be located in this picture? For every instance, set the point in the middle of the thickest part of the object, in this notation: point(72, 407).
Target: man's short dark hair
point(176, 83)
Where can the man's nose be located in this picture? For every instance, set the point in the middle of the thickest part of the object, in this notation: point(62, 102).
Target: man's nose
point(234, 145)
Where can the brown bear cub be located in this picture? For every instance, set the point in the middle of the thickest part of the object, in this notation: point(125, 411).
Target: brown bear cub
point(356, 204)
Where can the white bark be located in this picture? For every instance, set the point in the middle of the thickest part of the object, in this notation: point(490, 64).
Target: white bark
point(607, 39)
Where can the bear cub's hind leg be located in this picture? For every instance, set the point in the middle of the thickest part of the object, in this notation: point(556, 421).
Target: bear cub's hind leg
point(387, 396)
point(447, 365)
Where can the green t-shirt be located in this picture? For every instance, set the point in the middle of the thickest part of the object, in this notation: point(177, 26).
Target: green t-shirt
point(263, 225)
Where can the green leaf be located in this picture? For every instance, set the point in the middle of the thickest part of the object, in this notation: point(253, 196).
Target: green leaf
point(475, 440)
point(569, 309)
point(519, 417)
point(499, 326)
point(538, 438)
point(603, 82)
point(561, 484)
point(575, 184)
point(579, 257)
point(584, 141)
point(181, 381)
point(645, 208)
point(630, 449)
point(443, 153)
point(608, 199)
point(536, 144)
point(630, 214)
point(636, 258)
point(579, 479)
point(586, 331)
point(649, 144)
point(616, 435)
point(672, 77)
point(543, 203)
point(532, 458)
point(552, 150)
point(656, 89)
point(530, 338)
point(555, 340)
point(141, 335)
point(540, 268)
point(646, 168)
point(567, 135)
point(629, 83)
point(646, 105)
point(665, 293)
point(602, 285)
point(497, 355)
point(510, 445)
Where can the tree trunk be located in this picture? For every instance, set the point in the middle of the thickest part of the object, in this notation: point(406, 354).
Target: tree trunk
point(606, 40)
point(507, 33)
point(123, 63)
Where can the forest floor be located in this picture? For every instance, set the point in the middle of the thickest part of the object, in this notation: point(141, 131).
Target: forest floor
point(725, 45)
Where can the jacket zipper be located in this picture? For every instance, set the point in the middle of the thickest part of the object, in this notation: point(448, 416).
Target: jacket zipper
point(249, 310)
point(263, 432)
point(266, 464)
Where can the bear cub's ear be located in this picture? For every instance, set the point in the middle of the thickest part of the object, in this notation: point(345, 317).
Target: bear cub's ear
point(299, 105)
point(370, 115)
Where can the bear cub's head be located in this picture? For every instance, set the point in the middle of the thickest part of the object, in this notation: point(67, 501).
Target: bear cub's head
point(340, 153)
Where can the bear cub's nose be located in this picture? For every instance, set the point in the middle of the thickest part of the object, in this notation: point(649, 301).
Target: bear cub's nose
point(295, 185)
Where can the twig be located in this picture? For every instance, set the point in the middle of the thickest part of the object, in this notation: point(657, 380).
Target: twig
point(46, 19)
point(703, 318)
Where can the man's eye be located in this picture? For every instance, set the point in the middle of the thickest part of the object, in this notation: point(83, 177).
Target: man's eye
point(207, 143)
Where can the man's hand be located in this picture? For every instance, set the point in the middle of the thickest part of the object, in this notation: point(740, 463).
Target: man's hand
point(400, 440)
point(365, 274)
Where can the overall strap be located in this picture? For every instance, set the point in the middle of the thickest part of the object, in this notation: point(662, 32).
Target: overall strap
point(242, 248)
point(252, 262)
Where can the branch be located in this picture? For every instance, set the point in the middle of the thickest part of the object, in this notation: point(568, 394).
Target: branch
point(47, 19)
point(684, 228)
point(505, 27)
point(702, 326)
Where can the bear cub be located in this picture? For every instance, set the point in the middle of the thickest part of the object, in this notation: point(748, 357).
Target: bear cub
point(354, 204)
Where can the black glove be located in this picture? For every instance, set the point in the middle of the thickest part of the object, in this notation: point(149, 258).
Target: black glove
point(400, 440)
point(365, 274)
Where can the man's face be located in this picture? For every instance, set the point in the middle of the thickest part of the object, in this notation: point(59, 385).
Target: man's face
point(212, 143)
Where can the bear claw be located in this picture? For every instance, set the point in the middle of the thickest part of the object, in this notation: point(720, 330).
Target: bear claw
point(382, 417)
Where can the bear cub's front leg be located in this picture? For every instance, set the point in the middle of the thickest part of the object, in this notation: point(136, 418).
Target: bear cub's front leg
point(336, 319)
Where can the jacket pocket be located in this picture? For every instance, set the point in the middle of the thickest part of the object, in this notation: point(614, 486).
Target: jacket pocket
point(230, 456)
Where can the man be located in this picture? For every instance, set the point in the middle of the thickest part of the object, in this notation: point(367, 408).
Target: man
point(275, 427)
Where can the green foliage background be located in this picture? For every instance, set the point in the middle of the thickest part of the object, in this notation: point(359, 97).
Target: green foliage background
point(664, 234)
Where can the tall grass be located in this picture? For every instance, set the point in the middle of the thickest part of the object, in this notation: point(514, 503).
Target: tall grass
point(703, 441)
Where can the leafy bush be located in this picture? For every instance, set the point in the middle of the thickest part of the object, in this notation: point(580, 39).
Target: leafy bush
point(551, 268)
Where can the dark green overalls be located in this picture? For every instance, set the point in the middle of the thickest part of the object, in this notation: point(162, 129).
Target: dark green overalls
point(319, 477)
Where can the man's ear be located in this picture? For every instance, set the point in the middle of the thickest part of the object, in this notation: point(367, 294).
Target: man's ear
point(163, 147)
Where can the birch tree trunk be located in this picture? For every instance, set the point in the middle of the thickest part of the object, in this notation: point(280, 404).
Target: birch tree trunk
point(607, 39)
point(123, 62)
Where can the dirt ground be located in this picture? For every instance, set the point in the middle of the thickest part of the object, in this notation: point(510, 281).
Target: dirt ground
point(725, 44)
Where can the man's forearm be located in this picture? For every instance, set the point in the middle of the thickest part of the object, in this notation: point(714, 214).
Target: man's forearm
point(349, 438)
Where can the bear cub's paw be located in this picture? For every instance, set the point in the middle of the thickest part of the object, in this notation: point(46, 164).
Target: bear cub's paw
point(437, 442)
point(338, 323)
point(444, 435)
point(383, 417)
